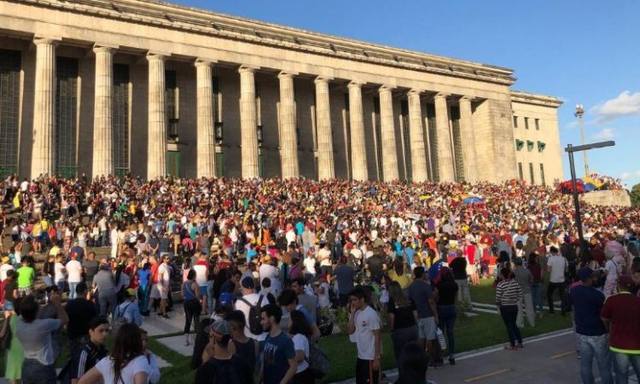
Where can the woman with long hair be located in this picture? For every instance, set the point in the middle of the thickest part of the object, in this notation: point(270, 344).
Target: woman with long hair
point(192, 307)
point(300, 331)
point(402, 318)
point(447, 292)
point(127, 363)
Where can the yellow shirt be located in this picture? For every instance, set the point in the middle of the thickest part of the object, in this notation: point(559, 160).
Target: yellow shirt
point(403, 280)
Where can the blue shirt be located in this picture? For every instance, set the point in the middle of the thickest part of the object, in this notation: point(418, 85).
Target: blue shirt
point(409, 253)
point(130, 311)
point(276, 352)
point(143, 277)
point(587, 303)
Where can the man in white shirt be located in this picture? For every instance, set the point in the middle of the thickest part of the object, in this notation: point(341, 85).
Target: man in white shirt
point(364, 330)
point(74, 275)
point(267, 269)
point(250, 299)
point(5, 267)
point(557, 267)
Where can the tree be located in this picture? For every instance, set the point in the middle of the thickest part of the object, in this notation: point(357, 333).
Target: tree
point(635, 195)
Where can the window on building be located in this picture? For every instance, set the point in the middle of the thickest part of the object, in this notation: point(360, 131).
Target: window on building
point(537, 124)
point(10, 64)
point(526, 123)
point(172, 103)
point(542, 174)
point(533, 181)
point(66, 116)
point(120, 119)
point(520, 174)
point(515, 121)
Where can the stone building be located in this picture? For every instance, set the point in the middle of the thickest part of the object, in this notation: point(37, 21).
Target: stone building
point(102, 87)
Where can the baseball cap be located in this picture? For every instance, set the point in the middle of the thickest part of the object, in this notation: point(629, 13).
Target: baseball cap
point(585, 273)
point(219, 326)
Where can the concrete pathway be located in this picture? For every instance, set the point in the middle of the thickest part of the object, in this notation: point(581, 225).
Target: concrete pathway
point(545, 359)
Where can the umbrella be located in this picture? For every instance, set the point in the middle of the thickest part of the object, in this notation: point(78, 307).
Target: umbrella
point(472, 200)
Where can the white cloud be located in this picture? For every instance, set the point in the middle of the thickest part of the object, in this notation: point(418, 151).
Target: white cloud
point(604, 134)
point(625, 104)
point(629, 175)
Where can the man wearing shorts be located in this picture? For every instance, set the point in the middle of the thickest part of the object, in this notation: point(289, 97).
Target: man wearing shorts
point(162, 289)
point(421, 295)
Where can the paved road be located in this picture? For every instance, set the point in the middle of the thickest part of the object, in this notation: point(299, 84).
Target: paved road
point(547, 360)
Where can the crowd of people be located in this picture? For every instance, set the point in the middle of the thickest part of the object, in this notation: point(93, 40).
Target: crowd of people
point(263, 266)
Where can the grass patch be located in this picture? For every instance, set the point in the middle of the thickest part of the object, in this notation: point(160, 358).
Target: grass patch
point(484, 292)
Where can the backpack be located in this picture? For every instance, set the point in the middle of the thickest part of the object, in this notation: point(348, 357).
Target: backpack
point(254, 316)
point(318, 361)
point(118, 319)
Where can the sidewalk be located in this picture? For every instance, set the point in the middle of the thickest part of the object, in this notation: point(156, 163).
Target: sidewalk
point(545, 359)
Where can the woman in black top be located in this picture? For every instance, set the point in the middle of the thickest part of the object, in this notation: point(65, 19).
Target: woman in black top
point(447, 291)
point(402, 319)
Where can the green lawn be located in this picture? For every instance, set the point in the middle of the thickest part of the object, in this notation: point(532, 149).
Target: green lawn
point(471, 333)
point(484, 292)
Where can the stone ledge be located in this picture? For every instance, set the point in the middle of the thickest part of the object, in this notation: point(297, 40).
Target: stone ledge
point(607, 198)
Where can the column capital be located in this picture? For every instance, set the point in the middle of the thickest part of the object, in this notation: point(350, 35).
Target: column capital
point(441, 95)
point(46, 40)
point(99, 48)
point(386, 88)
point(467, 98)
point(204, 62)
point(322, 79)
point(354, 84)
point(286, 74)
point(153, 55)
point(415, 92)
point(245, 68)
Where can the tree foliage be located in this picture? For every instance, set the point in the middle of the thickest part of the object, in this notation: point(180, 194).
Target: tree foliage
point(635, 195)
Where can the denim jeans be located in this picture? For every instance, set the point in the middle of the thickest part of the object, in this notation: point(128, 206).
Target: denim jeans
point(464, 296)
point(72, 290)
point(509, 314)
point(447, 318)
point(597, 347)
point(536, 295)
point(33, 372)
point(622, 361)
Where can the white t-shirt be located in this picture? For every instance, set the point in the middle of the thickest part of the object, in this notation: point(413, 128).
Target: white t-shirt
point(268, 270)
point(324, 255)
point(557, 264)
point(202, 274)
point(164, 277)
point(74, 271)
point(4, 268)
point(58, 270)
point(310, 265)
point(240, 305)
point(323, 298)
point(366, 322)
point(301, 343)
point(137, 365)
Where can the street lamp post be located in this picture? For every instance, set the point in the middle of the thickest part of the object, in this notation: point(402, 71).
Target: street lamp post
point(570, 149)
point(580, 114)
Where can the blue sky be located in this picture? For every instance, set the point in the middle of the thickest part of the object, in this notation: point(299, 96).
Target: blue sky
point(585, 52)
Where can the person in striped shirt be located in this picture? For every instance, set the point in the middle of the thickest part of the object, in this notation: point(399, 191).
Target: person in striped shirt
point(508, 293)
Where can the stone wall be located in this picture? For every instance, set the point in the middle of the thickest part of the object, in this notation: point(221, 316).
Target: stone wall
point(607, 198)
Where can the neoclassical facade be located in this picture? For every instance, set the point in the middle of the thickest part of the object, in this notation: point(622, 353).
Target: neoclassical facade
point(102, 87)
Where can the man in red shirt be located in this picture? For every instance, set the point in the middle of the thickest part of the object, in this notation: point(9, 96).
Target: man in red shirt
point(621, 313)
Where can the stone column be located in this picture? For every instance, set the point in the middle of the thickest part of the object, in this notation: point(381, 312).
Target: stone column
point(388, 135)
point(469, 155)
point(326, 168)
point(416, 138)
point(359, 169)
point(42, 155)
point(102, 115)
point(205, 146)
point(248, 123)
point(443, 139)
point(288, 139)
point(157, 129)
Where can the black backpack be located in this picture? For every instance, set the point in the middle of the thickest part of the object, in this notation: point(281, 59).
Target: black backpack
point(254, 316)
